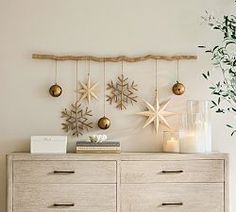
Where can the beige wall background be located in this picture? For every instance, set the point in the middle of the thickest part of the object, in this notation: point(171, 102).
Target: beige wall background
point(105, 27)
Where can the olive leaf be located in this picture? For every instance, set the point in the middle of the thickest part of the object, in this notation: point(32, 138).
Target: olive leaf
point(223, 59)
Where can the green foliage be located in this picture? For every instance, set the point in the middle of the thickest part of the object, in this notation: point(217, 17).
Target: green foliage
point(224, 61)
point(232, 128)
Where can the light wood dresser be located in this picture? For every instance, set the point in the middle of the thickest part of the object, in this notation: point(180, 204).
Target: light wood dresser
point(127, 182)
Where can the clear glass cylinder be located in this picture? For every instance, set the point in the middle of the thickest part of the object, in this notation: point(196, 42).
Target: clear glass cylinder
point(193, 133)
point(198, 106)
point(171, 142)
point(202, 107)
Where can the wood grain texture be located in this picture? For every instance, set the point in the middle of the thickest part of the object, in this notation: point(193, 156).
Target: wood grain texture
point(118, 187)
point(127, 182)
point(187, 171)
point(84, 172)
point(86, 198)
point(9, 183)
point(123, 156)
point(226, 185)
point(196, 197)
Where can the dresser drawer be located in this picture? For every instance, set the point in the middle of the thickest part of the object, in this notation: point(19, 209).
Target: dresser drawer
point(79, 198)
point(64, 172)
point(173, 197)
point(172, 171)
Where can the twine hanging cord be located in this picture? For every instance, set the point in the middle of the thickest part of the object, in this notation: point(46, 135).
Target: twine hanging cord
point(177, 70)
point(104, 87)
point(89, 68)
point(156, 80)
point(77, 80)
point(56, 71)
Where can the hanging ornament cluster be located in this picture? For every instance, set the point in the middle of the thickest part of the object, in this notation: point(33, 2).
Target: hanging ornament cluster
point(88, 89)
point(122, 92)
point(104, 122)
point(77, 118)
point(156, 113)
point(55, 90)
point(178, 88)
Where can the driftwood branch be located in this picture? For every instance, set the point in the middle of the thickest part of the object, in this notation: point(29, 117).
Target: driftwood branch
point(113, 59)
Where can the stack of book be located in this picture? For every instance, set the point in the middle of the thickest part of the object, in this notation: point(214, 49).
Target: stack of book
point(104, 147)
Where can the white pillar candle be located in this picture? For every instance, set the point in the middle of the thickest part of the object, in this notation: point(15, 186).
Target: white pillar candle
point(171, 145)
point(192, 142)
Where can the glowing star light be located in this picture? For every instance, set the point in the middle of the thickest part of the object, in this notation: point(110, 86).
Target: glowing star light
point(156, 114)
point(87, 90)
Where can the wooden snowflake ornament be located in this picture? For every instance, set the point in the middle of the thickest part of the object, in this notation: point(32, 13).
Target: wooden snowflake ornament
point(76, 119)
point(122, 92)
point(156, 114)
point(87, 90)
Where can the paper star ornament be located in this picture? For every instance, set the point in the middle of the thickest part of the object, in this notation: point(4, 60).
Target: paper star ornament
point(87, 90)
point(156, 114)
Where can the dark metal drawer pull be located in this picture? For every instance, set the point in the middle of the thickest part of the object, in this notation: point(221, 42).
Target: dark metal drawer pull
point(172, 204)
point(63, 172)
point(172, 172)
point(63, 205)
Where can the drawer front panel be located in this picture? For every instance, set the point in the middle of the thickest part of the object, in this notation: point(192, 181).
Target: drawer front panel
point(64, 172)
point(172, 171)
point(173, 197)
point(66, 197)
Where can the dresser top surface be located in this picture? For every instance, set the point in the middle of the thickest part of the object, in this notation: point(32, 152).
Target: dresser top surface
point(121, 156)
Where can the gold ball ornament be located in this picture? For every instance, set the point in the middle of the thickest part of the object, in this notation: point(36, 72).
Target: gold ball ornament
point(55, 90)
point(178, 88)
point(104, 123)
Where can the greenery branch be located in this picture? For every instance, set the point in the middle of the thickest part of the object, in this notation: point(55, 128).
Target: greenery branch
point(223, 60)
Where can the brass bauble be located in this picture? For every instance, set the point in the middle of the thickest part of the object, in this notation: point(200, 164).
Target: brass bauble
point(104, 123)
point(178, 88)
point(55, 90)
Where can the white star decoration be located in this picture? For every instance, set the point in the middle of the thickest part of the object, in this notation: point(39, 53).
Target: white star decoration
point(87, 90)
point(156, 114)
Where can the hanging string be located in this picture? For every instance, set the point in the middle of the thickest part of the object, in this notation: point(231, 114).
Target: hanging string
point(177, 70)
point(77, 80)
point(156, 80)
point(56, 71)
point(104, 87)
point(122, 67)
point(89, 68)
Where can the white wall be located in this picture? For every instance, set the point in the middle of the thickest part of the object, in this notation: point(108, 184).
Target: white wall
point(105, 27)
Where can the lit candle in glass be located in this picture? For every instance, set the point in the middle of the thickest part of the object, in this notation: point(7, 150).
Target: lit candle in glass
point(171, 142)
point(192, 133)
point(192, 142)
